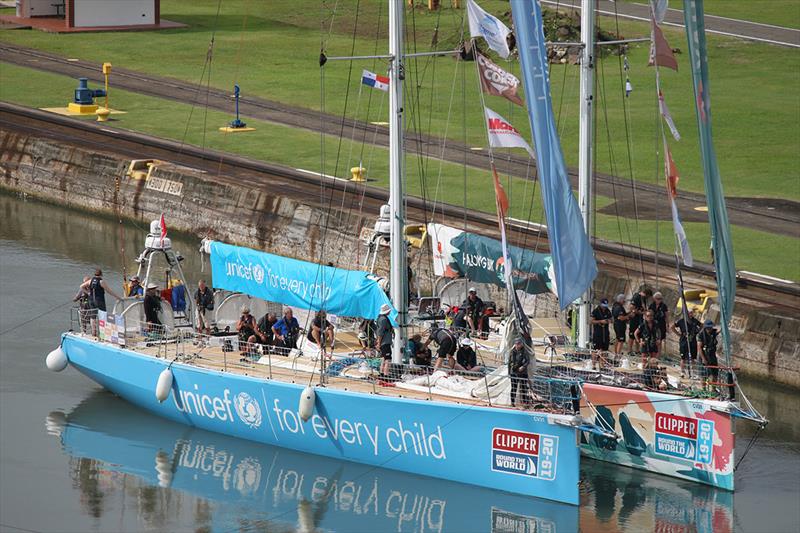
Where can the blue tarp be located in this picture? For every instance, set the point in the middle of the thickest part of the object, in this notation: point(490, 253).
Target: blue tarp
point(296, 283)
point(573, 260)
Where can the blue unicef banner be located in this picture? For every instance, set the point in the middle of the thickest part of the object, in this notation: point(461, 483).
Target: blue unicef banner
point(296, 283)
point(573, 260)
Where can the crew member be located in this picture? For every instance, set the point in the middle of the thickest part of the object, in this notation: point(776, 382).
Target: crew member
point(248, 332)
point(707, 346)
point(416, 352)
point(152, 306)
point(321, 331)
point(203, 302)
point(660, 316)
point(286, 331)
point(266, 335)
point(135, 288)
point(638, 308)
point(601, 318)
point(687, 331)
point(446, 340)
point(384, 336)
point(621, 318)
point(85, 313)
point(518, 361)
point(648, 336)
point(97, 288)
point(466, 356)
point(473, 307)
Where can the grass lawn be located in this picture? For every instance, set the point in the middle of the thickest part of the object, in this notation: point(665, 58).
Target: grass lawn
point(756, 251)
point(784, 13)
point(271, 50)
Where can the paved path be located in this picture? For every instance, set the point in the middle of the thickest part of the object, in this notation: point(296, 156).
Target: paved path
point(648, 200)
point(742, 29)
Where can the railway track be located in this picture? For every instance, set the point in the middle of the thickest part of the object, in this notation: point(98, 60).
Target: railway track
point(614, 257)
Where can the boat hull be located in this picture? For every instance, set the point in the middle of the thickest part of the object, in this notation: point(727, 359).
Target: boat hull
point(691, 439)
point(504, 449)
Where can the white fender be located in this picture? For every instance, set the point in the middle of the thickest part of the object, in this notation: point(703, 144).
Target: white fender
point(164, 385)
point(57, 360)
point(306, 407)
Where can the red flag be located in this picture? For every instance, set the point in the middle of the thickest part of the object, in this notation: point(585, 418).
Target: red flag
point(500, 196)
point(671, 172)
point(660, 50)
point(163, 225)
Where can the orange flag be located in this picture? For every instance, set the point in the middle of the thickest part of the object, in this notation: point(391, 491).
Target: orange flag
point(671, 172)
point(500, 195)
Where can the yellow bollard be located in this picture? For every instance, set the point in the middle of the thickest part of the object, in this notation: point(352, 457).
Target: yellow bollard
point(106, 73)
point(102, 114)
point(358, 174)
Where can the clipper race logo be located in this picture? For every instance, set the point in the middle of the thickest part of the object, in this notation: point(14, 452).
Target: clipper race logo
point(524, 454)
point(684, 438)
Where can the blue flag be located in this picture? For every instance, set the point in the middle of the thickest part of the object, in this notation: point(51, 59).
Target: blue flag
point(296, 283)
point(573, 259)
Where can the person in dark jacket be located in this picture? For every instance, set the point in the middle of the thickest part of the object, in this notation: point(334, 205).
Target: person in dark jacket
point(649, 337)
point(473, 306)
point(638, 308)
point(660, 316)
point(466, 355)
point(687, 331)
point(707, 346)
point(518, 361)
point(135, 288)
point(384, 337)
point(620, 317)
point(203, 304)
point(446, 340)
point(152, 306)
point(601, 319)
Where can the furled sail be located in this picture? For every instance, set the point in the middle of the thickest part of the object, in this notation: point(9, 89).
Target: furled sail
point(295, 283)
point(721, 242)
point(573, 260)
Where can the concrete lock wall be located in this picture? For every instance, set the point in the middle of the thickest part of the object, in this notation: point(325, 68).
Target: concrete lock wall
point(765, 345)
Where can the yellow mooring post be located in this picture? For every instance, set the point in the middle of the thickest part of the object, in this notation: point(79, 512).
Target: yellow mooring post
point(103, 112)
point(358, 174)
point(107, 73)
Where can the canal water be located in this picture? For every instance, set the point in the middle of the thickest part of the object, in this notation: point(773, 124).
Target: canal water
point(76, 458)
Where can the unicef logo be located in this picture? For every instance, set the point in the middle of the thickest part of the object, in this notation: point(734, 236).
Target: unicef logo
point(489, 28)
point(248, 409)
point(258, 274)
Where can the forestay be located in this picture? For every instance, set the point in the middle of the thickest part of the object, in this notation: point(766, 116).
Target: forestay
point(295, 283)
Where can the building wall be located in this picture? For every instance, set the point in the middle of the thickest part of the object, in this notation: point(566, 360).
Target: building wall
point(92, 13)
point(37, 8)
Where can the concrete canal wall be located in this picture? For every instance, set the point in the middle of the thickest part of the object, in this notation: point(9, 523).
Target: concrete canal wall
point(258, 215)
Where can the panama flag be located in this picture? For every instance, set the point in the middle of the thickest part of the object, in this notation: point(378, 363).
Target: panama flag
point(502, 134)
point(375, 81)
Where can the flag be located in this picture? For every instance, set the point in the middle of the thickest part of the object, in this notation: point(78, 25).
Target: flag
point(375, 81)
point(502, 134)
point(500, 195)
point(163, 224)
point(659, 9)
point(494, 32)
point(686, 252)
point(496, 81)
point(662, 105)
point(671, 172)
point(660, 50)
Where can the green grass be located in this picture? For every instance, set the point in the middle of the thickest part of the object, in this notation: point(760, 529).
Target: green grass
point(271, 50)
point(784, 13)
point(756, 251)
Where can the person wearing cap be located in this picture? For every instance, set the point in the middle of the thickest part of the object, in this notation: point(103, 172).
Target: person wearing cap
point(135, 288)
point(649, 337)
point(446, 340)
point(384, 336)
point(707, 346)
point(638, 308)
point(601, 318)
point(203, 302)
point(620, 317)
point(152, 306)
point(687, 331)
point(466, 356)
point(660, 316)
point(473, 307)
point(518, 361)
point(286, 330)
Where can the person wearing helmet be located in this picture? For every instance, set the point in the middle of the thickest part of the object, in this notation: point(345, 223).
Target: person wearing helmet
point(518, 361)
point(466, 356)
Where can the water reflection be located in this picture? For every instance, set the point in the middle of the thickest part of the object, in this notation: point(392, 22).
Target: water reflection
point(114, 446)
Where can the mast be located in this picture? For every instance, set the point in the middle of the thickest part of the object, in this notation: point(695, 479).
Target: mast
point(399, 276)
point(586, 148)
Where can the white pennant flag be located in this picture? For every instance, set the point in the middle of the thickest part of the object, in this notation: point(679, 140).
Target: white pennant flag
point(686, 252)
point(482, 24)
point(662, 104)
point(502, 134)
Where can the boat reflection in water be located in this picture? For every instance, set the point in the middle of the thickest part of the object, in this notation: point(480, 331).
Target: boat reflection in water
point(624, 499)
point(253, 486)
